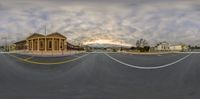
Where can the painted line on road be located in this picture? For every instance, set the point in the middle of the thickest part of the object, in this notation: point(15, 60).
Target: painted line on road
point(22, 58)
point(6, 52)
point(28, 58)
point(49, 63)
point(154, 67)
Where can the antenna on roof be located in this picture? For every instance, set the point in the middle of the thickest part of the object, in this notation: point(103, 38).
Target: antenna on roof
point(45, 30)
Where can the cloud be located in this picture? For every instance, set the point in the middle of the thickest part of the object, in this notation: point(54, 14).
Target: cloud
point(154, 20)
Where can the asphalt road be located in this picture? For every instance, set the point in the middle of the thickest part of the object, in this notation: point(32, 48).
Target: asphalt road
point(97, 76)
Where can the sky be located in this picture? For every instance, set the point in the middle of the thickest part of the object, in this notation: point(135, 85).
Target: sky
point(103, 21)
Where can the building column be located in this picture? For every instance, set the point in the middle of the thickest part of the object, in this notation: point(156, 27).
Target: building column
point(45, 44)
point(65, 45)
point(32, 44)
point(59, 44)
point(27, 45)
point(52, 44)
point(38, 44)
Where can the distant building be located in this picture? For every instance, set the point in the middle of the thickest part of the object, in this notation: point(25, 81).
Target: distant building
point(20, 45)
point(180, 47)
point(73, 47)
point(165, 46)
point(12, 47)
point(162, 46)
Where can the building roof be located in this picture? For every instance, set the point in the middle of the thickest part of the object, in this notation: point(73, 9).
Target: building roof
point(56, 34)
point(19, 42)
point(35, 35)
point(40, 35)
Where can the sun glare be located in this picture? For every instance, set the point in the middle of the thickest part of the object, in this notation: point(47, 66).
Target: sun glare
point(106, 41)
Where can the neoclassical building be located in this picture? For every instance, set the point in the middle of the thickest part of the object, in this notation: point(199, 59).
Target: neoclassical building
point(51, 42)
point(54, 42)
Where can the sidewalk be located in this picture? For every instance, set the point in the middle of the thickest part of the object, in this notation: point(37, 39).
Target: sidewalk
point(48, 53)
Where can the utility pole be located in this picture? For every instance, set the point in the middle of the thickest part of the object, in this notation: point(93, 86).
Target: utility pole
point(5, 43)
point(45, 30)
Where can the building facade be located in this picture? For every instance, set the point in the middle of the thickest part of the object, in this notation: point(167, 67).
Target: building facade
point(21, 45)
point(180, 47)
point(162, 46)
point(73, 47)
point(39, 42)
point(51, 42)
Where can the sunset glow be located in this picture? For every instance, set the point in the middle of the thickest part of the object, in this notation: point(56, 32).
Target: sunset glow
point(106, 41)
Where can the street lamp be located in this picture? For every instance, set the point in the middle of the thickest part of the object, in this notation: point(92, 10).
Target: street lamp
point(5, 43)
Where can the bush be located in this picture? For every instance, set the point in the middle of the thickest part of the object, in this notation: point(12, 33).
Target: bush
point(144, 49)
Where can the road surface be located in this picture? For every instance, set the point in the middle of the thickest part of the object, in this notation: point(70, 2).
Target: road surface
point(99, 76)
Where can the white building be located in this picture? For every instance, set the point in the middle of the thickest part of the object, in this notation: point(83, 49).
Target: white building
point(162, 46)
point(180, 47)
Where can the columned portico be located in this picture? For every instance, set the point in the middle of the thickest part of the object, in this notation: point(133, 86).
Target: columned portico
point(52, 42)
point(45, 44)
point(38, 44)
point(32, 45)
point(60, 46)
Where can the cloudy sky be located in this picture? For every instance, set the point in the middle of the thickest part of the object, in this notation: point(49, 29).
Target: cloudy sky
point(108, 21)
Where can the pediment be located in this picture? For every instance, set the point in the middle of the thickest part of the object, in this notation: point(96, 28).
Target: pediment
point(35, 35)
point(56, 34)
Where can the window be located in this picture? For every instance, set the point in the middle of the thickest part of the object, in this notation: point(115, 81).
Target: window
point(41, 44)
point(50, 44)
point(56, 44)
point(61, 45)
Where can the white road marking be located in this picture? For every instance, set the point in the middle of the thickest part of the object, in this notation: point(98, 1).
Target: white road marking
point(6, 52)
point(142, 67)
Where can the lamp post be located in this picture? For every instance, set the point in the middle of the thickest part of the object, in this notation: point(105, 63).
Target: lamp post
point(5, 43)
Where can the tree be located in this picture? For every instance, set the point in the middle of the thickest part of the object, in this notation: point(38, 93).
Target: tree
point(138, 43)
point(142, 45)
point(133, 48)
